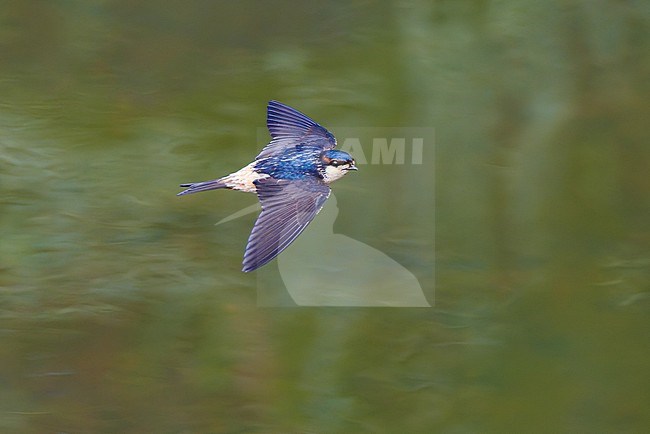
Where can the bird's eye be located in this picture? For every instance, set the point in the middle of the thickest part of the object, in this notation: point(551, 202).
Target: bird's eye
point(335, 163)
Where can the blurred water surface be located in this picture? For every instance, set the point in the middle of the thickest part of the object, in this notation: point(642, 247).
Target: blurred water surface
point(122, 307)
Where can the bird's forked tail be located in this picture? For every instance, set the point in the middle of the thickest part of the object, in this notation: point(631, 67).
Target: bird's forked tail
point(202, 186)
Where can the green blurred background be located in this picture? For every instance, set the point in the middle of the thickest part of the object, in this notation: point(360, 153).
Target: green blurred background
point(122, 307)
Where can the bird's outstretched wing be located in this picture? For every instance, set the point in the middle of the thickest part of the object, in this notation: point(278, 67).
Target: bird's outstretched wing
point(287, 208)
point(289, 127)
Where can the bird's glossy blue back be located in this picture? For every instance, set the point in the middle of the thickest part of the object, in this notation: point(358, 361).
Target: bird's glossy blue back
point(298, 162)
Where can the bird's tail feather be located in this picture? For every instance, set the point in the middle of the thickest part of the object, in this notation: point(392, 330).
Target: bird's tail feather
point(202, 186)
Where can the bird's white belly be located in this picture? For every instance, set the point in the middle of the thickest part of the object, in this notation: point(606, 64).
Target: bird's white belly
point(244, 179)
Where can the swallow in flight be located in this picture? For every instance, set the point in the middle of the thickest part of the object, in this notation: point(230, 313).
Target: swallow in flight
point(291, 177)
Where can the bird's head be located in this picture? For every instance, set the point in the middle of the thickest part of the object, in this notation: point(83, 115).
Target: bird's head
point(335, 164)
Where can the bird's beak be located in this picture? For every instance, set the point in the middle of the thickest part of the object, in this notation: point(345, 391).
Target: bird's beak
point(352, 167)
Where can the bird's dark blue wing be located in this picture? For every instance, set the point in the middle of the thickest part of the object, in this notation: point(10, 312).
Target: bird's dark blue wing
point(287, 208)
point(289, 127)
